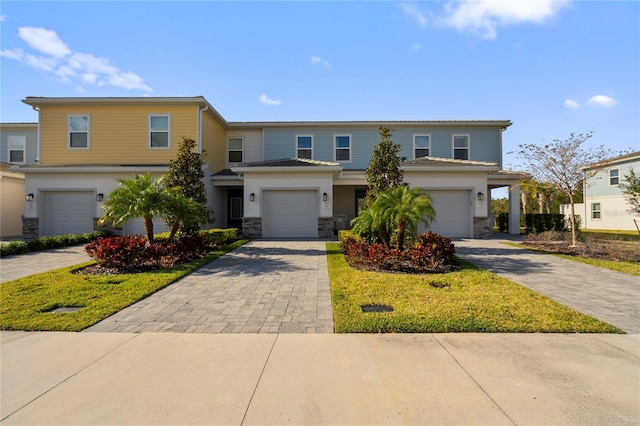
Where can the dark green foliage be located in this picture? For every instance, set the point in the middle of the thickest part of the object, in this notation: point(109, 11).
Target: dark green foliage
point(45, 243)
point(538, 223)
point(384, 168)
point(503, 222)
point(186, 173)
point(631, 190)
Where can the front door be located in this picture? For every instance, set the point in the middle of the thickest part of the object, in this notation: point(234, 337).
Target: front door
point(235, 208)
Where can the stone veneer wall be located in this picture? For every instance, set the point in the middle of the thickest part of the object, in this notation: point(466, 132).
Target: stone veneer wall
point(252, 227)
point(481, 227)
point(30, 227)
point(325, 227)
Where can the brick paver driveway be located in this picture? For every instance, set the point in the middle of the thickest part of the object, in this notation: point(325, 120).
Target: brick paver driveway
point(262, 287)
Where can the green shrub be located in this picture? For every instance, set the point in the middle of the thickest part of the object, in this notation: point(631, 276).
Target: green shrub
point(503, 222)
point(538, 223)
point(46, 243)
point(343, 234)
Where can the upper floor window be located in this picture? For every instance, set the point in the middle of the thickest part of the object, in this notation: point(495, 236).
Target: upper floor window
point(235, 150)
point(343, 148)
point(159, 131)
point(421, 146)
point(614, 177)
point(461, 147)
point(79, 126)
point(17, 148)
point(595, 211)
point(304, 147)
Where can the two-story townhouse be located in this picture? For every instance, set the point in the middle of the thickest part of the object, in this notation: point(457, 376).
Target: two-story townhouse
point(17, 147)
point(275, 179)
point(605, 206)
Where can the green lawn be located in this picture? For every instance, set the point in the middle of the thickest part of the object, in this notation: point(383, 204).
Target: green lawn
point(25, 301)
point(472, 300)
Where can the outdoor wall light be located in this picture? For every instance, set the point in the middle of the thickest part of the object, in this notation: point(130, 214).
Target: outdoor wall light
point(480, 196)
point(252, 197)
point(100, 197)
point(29, 198)
point(325, 197)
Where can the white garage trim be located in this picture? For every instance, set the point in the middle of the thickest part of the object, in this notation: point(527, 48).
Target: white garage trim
point(68, 212)
point(453, 213)
point(290, 214)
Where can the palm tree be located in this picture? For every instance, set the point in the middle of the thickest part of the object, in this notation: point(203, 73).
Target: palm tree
point(178, 208)
point(142, 196)
point(400, 208)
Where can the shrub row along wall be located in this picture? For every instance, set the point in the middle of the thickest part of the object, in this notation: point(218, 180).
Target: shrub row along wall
point(535, 222)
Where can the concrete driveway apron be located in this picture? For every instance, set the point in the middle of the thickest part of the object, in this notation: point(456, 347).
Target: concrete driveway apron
point(262, 287)
point(610, 296)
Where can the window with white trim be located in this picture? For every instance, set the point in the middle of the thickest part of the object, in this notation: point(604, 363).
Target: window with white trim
point(596, 213)
point(79, 127)
point(159, 131)
point(17, 146)
point(421, 146)
point(614, 177)
point(235, 150)
point(460, 147)
point(342, 145)
point(304, 146)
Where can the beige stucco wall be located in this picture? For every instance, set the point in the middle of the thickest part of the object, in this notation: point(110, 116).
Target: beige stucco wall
point(12, 192)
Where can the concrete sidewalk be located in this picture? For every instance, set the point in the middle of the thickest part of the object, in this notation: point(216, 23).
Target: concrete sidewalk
point(610, 296)
point(23, 265)
point(253, 379)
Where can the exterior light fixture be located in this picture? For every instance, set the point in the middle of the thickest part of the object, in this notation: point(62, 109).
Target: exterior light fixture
point(480, 196)
point(100, 197)
point(29, 198)
point(252, 197)
point(325, 197)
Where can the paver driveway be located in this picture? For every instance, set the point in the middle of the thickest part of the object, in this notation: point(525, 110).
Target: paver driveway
point(262, 287)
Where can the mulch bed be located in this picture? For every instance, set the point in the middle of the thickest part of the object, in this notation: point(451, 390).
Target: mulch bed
point(619, 251)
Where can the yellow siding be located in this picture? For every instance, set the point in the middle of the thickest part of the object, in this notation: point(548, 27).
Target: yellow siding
point(119, 133)
point(213, 142)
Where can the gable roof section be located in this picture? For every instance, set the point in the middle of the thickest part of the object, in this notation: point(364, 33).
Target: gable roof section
point(288, 165)
point(442, 164)
point(615, 160)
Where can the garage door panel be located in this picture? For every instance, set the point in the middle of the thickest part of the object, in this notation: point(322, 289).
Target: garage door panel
point(453, 214)
point(290, 214)
point(68, 212)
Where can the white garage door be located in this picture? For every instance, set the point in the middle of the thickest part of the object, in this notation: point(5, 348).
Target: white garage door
point(290, 214)
point(453, 214)
point(68, 212)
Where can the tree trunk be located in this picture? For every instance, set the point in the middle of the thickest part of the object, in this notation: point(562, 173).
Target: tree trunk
point(148, 227)
point(382, 233)
point(400, 233)
point(174, 230)
point(523, 197)
point(540, 203)
point(574, 236)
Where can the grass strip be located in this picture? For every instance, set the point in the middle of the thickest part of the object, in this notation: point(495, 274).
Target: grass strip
point(632, 268)
point(469, 300)
point(26, 302)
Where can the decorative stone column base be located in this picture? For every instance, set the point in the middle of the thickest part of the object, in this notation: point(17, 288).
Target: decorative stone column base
point(252, 227)
point(30, 227)
point(325, 228)
point(481, 227)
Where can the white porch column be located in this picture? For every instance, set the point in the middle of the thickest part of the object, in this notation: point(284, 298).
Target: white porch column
point(514, 209)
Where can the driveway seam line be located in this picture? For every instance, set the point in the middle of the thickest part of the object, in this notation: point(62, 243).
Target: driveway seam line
point(69, 378)
point(264, 367)
point(475, 381)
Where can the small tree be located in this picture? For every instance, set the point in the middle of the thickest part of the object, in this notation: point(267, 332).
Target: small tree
point(384, 168)
point(186, 173)
point(400, 208)
point(631, 191)
point(141, 196)
point(561, 163)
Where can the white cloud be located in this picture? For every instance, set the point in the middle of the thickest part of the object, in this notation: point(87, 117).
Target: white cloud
point(412, 11)
point(571, 104)
point(268, 101)
point(415, 47)
point(67, 65)
point(484, 17)
point(602, 101)
point(44, 41)
point(318, 60)
point(3, 18)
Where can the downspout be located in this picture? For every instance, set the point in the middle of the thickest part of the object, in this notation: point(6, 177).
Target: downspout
point(200, 111)
point(37, 136)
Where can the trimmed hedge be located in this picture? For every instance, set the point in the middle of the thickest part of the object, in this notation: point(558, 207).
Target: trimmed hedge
point(46, 243)
point(537, 223)
point(503, 222)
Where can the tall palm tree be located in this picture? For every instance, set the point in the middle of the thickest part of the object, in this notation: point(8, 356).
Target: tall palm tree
point(142, 196)
point(400, 208)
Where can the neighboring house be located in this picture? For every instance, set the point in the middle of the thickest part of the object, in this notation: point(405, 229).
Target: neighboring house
point(17, 146)
point(604, 204)
point(273, 179)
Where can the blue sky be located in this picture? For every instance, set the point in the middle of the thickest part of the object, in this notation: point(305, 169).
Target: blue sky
point(552, 67)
